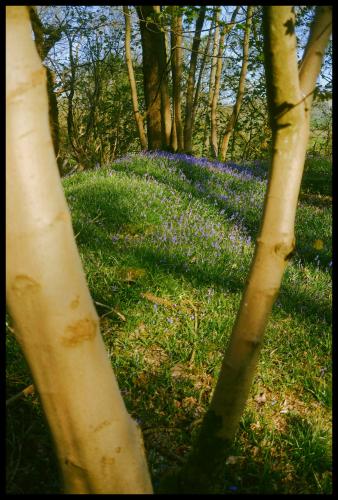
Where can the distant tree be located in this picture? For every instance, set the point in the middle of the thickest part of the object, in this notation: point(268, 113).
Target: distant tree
point(176, 69)
point(241, 85)
point(215, 96)
point(206, 139)
point(189, 100)
point(155, 77)
point(138, 116)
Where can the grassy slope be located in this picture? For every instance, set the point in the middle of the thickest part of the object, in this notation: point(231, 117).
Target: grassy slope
point(182, 234)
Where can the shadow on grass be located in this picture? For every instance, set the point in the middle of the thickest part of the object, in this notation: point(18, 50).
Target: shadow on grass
point(218, 275)
point(31, 464)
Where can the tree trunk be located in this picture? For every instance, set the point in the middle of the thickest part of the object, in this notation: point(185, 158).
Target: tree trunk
point(43, 45)
point(155, 78)
point(99, 446)
point(199, 80)
point(191, 81)
point(176, 69)
point(289, 117)
point(241, 85)
point(206, 140)
point(132, 82)
point(165, 98)
point(215, 96)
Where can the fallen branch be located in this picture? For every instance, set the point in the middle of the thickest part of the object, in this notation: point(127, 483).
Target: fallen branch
point(26, 392)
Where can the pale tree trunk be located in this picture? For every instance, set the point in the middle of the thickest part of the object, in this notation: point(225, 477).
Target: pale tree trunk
point(132, 82)
point(191, 81)
point(45, 39)
point(241, 86)
point(99, 446)
point(216, 16)
point(215, 95)
point(289, 112)
point(176, 69)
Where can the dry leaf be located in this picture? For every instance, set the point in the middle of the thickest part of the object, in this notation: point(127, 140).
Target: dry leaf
point(178, 371)
point(157, 300)
point(189, 401)
point(255, 426)
point(318, 244)
point(255, 451)
point(232, 460)
point(131, 275)
point(260, 398)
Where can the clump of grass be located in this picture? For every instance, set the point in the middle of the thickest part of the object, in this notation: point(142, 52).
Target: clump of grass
point(166, 242)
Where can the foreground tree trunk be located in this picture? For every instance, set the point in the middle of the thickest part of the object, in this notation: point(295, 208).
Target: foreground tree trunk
point(131, 76)
point(99, 446)
point(289, 117)
point(241, 85)
point(191, 82)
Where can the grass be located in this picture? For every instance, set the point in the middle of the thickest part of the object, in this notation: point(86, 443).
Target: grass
point(166, 242)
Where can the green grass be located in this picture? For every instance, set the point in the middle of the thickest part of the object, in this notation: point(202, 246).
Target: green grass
point(185, 234)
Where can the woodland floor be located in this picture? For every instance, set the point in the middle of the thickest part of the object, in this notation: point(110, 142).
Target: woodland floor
point(166, 242)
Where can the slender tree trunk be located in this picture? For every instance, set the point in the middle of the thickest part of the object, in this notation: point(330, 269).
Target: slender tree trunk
point(165, 98)
point(216, 17)
point(191, 81)
point(289, 117)
point(99, 446)
point(199, 80)
point(176, 68)
point(241, 86)
point(43, 45)
point(132, 82)
point(215, 96)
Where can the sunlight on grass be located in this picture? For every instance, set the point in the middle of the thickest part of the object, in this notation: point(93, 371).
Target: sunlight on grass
point(166, 242)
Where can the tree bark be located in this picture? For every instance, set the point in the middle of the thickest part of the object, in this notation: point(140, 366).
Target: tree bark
point(288, 111)
point(191, 81)
point(45, 40)
point(176, 69)
point(165, 98)
point(132, 82)
point(241, 86)
point(215, 96)
point(155, 78)
point(99, 446)
point(199, 80)
point(206, 140)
